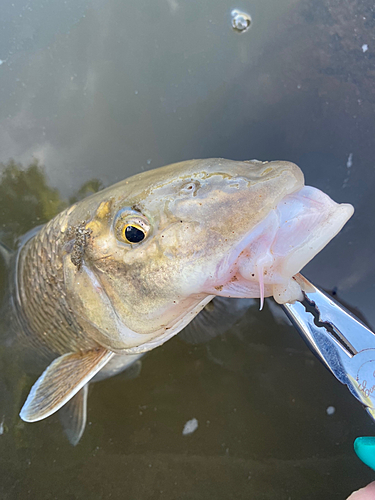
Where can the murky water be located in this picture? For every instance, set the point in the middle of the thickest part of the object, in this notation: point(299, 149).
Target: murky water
point(98, 90)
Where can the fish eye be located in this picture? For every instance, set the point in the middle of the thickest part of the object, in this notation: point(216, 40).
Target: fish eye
point(131, 227)
point(132, 233)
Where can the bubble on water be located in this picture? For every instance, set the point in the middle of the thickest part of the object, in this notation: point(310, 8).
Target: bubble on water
point(240, 21)
point(190, 426)
point(364, 47)
point(330, 410)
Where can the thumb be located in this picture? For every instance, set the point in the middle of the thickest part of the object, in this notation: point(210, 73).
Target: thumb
point(367, 493)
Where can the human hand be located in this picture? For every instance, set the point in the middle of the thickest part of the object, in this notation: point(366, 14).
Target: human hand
point(367, 493)
point(365, 450)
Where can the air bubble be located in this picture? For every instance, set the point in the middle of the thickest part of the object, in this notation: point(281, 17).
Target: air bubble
point(330, 410)
point(240, 21)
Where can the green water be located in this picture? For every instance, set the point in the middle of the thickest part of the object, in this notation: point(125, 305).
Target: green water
point(98, 90)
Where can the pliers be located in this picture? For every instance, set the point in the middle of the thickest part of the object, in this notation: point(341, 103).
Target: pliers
point(341, 341)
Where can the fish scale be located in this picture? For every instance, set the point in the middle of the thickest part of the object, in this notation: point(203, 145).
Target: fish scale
point(42, 295)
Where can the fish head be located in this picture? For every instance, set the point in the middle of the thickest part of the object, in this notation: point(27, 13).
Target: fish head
point(154, 249)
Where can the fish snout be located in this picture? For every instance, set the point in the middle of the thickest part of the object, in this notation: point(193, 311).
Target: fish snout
point(301, 225)
point(279, 246)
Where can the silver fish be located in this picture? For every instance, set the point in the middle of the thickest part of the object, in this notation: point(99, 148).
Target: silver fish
point(121, 272)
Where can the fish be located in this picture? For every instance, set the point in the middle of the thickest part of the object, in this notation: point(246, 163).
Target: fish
point(119, 273)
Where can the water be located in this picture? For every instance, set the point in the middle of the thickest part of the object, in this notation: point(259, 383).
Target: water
point(96, 89)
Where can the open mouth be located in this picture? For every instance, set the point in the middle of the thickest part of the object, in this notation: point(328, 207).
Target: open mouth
point(276, 249)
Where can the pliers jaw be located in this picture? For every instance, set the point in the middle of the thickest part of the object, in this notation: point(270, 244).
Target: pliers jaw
point(343, 343)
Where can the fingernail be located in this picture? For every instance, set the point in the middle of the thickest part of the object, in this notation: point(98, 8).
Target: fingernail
point(365, 450)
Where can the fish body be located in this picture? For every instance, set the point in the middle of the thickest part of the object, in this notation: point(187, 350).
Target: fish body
point(121, 272)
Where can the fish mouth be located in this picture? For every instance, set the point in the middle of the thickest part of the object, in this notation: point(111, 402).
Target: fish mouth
point(264, 263)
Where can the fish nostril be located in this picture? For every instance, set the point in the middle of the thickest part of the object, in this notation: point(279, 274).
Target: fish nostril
point(190, 187)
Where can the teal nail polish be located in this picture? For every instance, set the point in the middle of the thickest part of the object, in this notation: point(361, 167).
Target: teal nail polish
point(365, 450)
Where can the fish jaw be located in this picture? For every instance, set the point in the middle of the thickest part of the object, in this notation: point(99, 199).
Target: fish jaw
point(293, 232)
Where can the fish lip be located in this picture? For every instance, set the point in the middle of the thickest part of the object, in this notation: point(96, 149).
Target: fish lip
point(277, 230)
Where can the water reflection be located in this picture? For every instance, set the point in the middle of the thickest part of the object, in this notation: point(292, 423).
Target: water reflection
point(27, 200)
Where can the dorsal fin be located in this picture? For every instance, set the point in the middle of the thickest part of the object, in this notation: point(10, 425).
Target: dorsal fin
point(64, 377)
point(73, 416)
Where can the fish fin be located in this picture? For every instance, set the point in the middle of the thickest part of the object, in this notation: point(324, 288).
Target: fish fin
point(73, 416)
point(64, 377)
point(6, 253)
point(132, 372)
point(215, 319)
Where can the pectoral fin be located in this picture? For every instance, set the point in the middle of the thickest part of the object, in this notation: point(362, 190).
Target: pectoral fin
point(64, 377)
point(215, 319)
point(73, 416)
point(132, 372)
point(6, 253)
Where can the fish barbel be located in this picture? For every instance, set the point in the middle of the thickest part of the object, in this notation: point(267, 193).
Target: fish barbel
point(121, 272)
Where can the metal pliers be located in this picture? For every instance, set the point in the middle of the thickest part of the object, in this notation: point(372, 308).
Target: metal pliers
point(341, 341)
